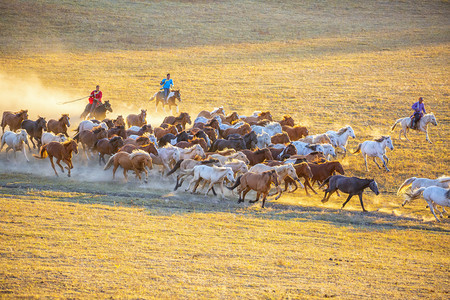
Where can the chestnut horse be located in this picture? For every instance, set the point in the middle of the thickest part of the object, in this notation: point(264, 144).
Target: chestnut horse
point(88, 138)
point(119, 121)
point(257, 156)
point(140, 131)
point(280, 138)
point(137, 161)
point(303, 171)
point(321, 172)
point(252, 120)
point(59, 126)
point(107, 146)
point(295, 132)
point(61, 151)
point(257, 182)
point(119, 131)
point(13, 120)
point(230, 118)
point(183, 119)
point(242, 130)
point(209, 115)
point(287, 120)
point(160, 132)
point(137, 120)
point(191, 142)
point(283, 153)
point(149, 148)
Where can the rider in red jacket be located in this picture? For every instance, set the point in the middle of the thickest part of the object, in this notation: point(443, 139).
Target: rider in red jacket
point(95, 99)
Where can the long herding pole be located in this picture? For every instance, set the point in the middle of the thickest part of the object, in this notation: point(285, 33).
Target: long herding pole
point(74, 100)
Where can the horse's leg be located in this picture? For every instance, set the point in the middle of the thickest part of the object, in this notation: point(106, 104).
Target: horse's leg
point(221, 189)
point(310, 186)
point(426, 135)
point(125, 171)
point(430, 204)
point(264, 200)
point(115, 169)
point(348, 199)
point(362, 204)
point(374, 160)
point(58, 162)
point(386, 158)
point(25, 153)
point(384, 163)
point(404, 133)
point(53, 165)
point(436, 209)
point(257, 198)
point(244, 193)
point(365, 161)
point(329, 195)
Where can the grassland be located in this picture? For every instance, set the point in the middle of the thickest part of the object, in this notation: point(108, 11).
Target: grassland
point(327, 64)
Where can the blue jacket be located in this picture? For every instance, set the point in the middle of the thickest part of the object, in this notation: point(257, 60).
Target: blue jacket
point(418, 107)
point(167, 84)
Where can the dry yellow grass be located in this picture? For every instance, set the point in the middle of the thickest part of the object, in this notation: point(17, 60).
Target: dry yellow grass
point(327, 64)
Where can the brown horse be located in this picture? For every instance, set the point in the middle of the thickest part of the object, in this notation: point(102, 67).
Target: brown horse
point(302, 170)
point(137, 120)
point(13, 120)
point(88, 138)
point(283, 153)
point(321, 172)
point(119, 131)
point(259, 182)
point(230, 118)
point(313, 157)
point(146, 128)
point(107, 146)
point(138, 161)
point(61, 151)
point(119, 121)
point(192, 142)
point(252, 120)
point(209, 115)
point(225, 152)
point(160, 132)
point(296, 132)
point(257, 156)
point(280, 138)
point(287, 120)
point(214, 123)
point(242, 130)
point(149, 148)
point(59, 126)
point(183, 119)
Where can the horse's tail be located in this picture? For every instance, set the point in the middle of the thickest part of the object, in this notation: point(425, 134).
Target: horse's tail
point(405, 185)
point(395, 124)
point(42, 153)
point(109, 163)
point(3, 120)
point(414, 195)
point(358, 149)
point(176, 167)
point(443, 179)
point(238, 182)
point(77, 137)
point(325, 181)
point(153, 97)
point(213, 147)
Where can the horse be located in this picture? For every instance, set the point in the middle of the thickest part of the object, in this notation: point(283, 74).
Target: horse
point(182, 119)
point(434, 195)
point(59, 126)
point(349, 185)
point(192, 142)
point(213, 175)
point(320, 139)
point(99, 111)
point(422, 125)
point(117, 130)
point(89, 124)
point(34, 129)
point(139, 130)
point(48, 137)
point(171, 99)
point(172, 139)
point(88, 138)
point(280, 138)
point(110, 123)
point(287, 120)
point(295, 132)
point(313, 157)
point(272, 128)
point(376, 148)
point(250, 139)
point(221, 144)
point(283, 171)
point(414, 183)
point(230, 118)
point(282, 153)
point(200, 134)
point(303, 171)
point(238, 166)
point(119, 121)
point(341, 137)
point(13, 120)
point(167, 157)
point(160, 132)
point(192, 152)
point(305, 148)
point(209, 115)
point(242, 130)
point(15, 141)
point(107, 146)
point(265, 115)
point(257, 156)
point(138, 161)
point(61, 151)
point(226, 158)
point(264, 140)
point(257, 182)
point(185, 167)
point(137, 120)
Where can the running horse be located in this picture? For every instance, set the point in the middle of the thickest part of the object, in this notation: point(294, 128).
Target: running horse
point(59, 126)
point(421, 126)
point(99, 112)
point(34, 129)
point(61, 151)
point(171, 99)
point(13, 120)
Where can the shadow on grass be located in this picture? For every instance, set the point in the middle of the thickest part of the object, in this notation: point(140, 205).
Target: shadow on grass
point(159, 200)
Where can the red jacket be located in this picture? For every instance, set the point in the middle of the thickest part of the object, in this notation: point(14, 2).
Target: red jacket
point(95, 95)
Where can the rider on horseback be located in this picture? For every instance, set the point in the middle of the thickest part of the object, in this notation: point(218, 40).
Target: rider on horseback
point(418, 108)
point(95, 99)
point(166, 83)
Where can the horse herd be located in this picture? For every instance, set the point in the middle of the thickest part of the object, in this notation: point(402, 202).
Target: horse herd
point(249, 152)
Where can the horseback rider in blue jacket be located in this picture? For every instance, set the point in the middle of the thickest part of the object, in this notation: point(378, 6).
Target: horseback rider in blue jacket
point(418, 108)
point(166, 83)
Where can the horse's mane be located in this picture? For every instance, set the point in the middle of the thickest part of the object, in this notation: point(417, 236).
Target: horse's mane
point(97, 129)
point(263, 113)
point(381, 139)
point(342, 130)
point(138, 152)
point(259, 151)
point(286, 117)
point(66, 142)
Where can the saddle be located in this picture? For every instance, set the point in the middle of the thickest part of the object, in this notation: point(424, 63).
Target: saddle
point(415, 118)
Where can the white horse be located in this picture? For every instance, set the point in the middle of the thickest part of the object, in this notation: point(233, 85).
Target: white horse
point(305, 148)
point(328, 150)
point(376, 148)
point(434, 195)
point(264, 140)
point(414, 183)
point(272, 128)
point(341, 137)
point(48, 137)
point(167, 157)
point(192, 152)
point(238, 166)
point(320, 139)
point(15, 141)
point(235, 156)
point(422, 126)
point(88, 125)
point(283, 171)
point(212, 175)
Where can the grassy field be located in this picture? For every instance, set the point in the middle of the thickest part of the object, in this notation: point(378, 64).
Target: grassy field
point(327, 64)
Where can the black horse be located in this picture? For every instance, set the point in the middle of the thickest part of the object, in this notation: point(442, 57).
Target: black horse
point(171, 98)
point(99, 112)
point(220, 144)
point(250, 139)
point(350, 185)
point(166, 139)
point(34, 130)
